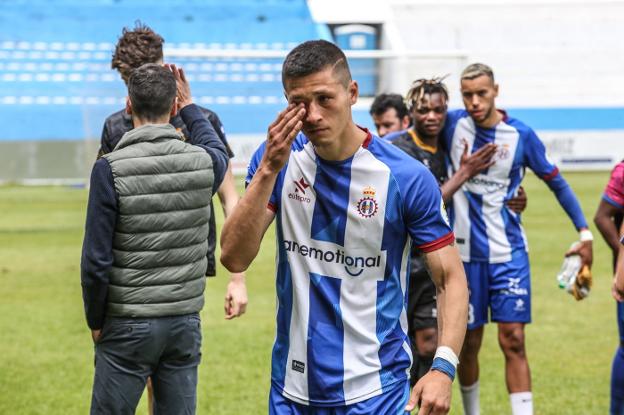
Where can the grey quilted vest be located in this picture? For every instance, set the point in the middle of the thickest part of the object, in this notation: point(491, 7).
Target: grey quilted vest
point(164, 187)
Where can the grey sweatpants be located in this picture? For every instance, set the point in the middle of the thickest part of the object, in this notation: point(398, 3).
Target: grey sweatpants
point(131, 349)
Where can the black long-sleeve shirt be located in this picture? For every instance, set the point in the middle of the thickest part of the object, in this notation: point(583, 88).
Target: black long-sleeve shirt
point(102, 212)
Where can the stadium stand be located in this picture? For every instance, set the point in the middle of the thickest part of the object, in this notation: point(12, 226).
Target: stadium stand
point(55, 60)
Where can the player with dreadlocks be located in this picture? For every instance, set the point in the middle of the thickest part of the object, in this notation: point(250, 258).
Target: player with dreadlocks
point(427, 102)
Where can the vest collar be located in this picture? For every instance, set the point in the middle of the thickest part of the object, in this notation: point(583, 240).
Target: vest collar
point(148, 132)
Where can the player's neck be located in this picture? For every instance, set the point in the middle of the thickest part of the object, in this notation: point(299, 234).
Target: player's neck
point(494, 118)
point(138, 122)
point(423, 140)
point(345, 146)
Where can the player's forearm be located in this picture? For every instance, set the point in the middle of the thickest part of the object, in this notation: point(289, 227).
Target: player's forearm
point(452, 296)
point(227, 193)
point(243, 230)
point(453, 184)
point(568, 201)
point(608, 231)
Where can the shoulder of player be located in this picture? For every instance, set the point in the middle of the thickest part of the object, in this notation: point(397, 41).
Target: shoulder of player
point(211, 115)
point(518, 125)
point(401, 165)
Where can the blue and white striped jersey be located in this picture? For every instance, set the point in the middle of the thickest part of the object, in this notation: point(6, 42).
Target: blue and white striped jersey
point(344, 231)
point(485, 228)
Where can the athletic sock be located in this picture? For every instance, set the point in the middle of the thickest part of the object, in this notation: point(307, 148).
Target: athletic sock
point(521, 403)
point(470, 398)
point(617, 383)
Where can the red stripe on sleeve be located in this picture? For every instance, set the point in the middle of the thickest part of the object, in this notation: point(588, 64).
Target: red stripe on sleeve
point(447, 239)
point(551, 175)
point(271, 206)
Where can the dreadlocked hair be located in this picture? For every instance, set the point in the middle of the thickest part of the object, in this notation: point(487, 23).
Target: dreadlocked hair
point(421, 87)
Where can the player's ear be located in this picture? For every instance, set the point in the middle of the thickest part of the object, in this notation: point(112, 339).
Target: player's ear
point(174, 108)
point(354, 91)
point(128, 106)
point(405, 122)
point(495, 90)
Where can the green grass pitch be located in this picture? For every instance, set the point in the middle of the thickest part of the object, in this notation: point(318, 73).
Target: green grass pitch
point(46, 353)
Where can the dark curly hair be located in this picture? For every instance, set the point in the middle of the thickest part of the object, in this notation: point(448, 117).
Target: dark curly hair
point(136, 47)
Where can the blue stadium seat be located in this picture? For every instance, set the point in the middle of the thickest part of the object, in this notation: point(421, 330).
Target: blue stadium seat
point(57, 81)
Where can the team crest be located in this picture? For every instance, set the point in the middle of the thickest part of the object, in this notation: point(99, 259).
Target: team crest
point(367, 206)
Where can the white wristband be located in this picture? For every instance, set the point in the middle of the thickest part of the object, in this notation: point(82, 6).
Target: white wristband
point(586, 235)
point(447, 354)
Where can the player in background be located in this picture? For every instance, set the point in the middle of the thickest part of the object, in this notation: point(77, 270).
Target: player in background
point(608, 220)
point(347, 205)
point(135, 48)
point(427, 101)
point(389, 113)
point(490, 236)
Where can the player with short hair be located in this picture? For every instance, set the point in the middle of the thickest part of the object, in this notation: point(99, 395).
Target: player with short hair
point(490, 236)
point(347, 206)
point(608, 220)
point(427, 101)
point(389, 113)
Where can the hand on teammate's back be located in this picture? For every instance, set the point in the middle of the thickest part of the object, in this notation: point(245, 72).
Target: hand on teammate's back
point(478, 161)
point(280, 136)
point(183, 88)
point(519, 202)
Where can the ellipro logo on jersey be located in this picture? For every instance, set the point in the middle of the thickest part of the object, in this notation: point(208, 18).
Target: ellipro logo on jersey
point(300, 191)
point(353, 265)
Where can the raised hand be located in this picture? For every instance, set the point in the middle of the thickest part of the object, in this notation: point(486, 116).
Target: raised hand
point(280, 136)
point(183, 87)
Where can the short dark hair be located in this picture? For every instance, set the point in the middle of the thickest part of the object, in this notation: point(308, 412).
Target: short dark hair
point(136, 47)
point(152, 90)
point(314, 56)
point(383, 102)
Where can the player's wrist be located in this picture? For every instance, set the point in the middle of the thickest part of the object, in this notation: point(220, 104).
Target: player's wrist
point(445, 361)
point(585, 235)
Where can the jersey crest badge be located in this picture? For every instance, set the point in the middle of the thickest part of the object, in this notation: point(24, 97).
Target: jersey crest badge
point(367, 206)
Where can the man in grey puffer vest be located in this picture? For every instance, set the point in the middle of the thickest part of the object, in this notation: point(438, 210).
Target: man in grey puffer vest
point(144, 253)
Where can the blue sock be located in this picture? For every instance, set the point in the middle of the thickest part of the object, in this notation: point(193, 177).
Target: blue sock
point(617, 383)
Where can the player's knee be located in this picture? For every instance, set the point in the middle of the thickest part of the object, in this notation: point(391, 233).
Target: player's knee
point(512, 341)
point(427, 342)
point(472, 344)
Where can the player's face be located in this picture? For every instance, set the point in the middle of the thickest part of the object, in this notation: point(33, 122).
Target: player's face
point(430, 115)
point(478, 95)
point(327, 102)
point(389, 122)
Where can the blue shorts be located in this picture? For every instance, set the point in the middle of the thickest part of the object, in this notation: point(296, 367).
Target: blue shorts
point(620, 319)
point(390, 403)
point(503, 288)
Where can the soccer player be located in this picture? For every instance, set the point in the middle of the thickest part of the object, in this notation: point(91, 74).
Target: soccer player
point(347, 206)
point(608, 219)
point(490, 237)
point(427, 100)
point(389, 114)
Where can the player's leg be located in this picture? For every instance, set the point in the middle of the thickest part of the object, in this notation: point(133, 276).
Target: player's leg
point(511, 309)
point(122, 364)
point(617, 369)
point(426, 341)
point(468, 368)
point(175, 378)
